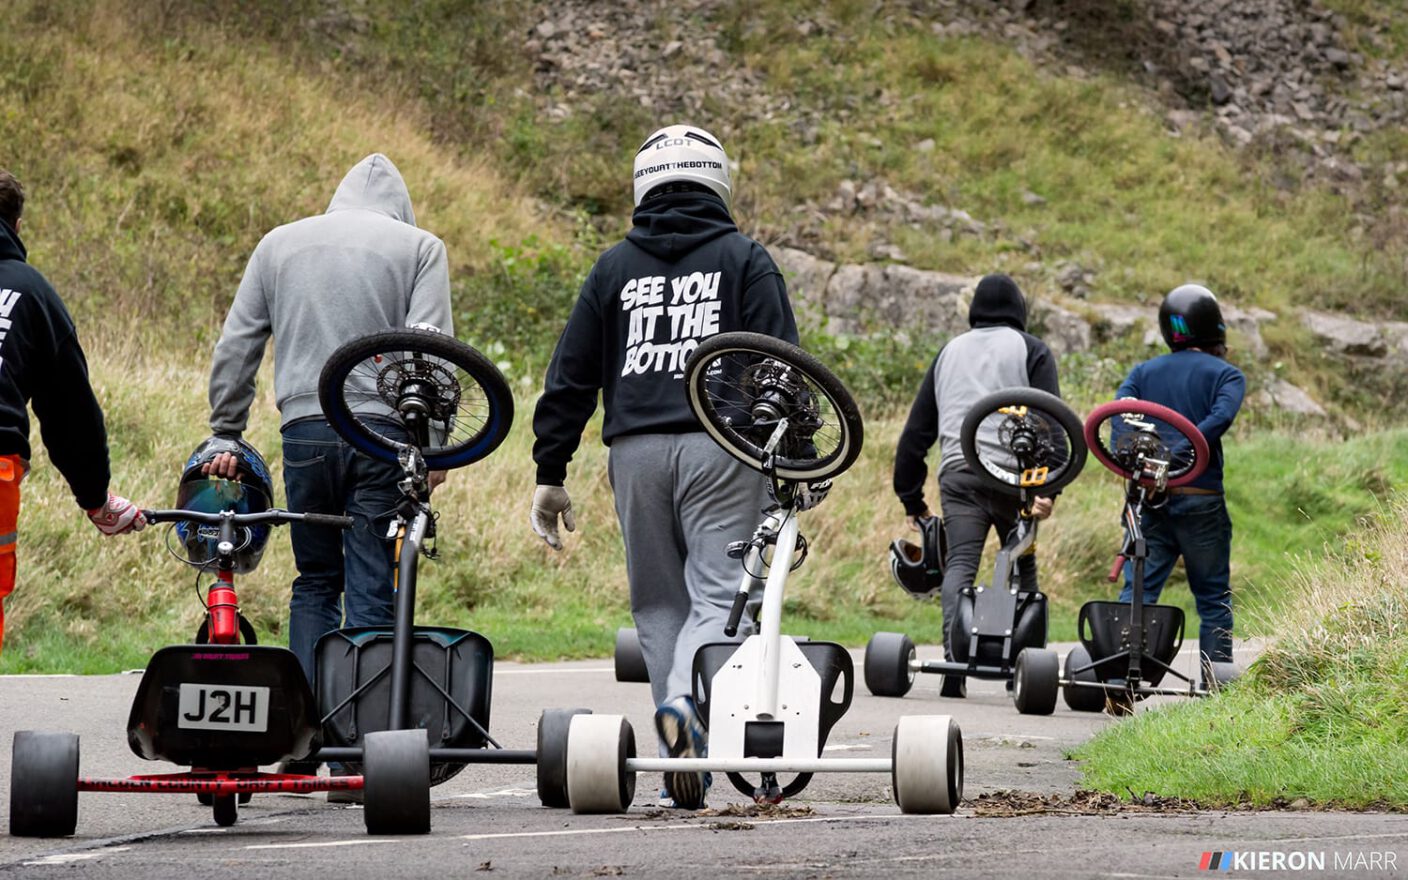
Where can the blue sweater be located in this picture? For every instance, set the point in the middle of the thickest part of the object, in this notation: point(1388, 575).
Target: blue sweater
point(1205, 389)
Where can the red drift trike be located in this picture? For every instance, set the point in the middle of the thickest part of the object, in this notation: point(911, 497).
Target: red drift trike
point(404, 706)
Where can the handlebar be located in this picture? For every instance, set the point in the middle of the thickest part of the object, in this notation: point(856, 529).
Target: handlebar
point(735, 614)
point(274, 516)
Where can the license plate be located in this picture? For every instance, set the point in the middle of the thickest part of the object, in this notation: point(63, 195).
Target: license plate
point(223, 707)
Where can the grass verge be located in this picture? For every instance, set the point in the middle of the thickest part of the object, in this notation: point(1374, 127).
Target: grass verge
point(1322, 715)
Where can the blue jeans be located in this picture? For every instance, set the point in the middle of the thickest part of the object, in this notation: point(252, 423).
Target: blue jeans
point(338, 571)
point(1197, 528)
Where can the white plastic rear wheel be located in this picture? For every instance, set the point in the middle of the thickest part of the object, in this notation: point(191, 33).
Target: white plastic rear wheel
point(927, 768)
point(598, 747)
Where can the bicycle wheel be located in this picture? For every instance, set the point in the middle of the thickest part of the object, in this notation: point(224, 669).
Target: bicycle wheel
point(401, 388)
point(1023, 438)
point(1137, 437)
point(761, 397)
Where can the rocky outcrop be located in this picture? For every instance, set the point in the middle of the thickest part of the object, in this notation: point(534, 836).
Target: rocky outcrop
point(1281, 395)
point(1342, 335)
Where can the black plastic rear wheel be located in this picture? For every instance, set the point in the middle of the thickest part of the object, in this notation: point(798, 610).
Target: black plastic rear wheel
point(390, 390)
point(1078, 698)
point(226, 811)
point(1036, 681)
point(43, 784)
point(743, 386)
point(629, 660)
point(887, 669)
point(396, 790)
point(552, 755)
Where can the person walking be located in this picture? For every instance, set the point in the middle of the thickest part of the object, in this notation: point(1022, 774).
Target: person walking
point(683, 273)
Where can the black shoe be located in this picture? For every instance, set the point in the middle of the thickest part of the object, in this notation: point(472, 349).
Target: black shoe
point(954, 686)
point(344, 795)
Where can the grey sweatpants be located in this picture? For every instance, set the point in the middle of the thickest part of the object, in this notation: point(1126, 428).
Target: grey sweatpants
point(681, 499)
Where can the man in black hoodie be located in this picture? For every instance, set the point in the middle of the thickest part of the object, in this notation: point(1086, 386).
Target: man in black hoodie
point(997, 353)
point(683, 273)
point(42, 363)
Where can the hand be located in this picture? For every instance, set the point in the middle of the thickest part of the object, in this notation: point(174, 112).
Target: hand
point(913, 521)
point(223, 465)
point(117, 516)
point(1041, 507)
point(435, 478)
point(548, 503)
point(809, 495)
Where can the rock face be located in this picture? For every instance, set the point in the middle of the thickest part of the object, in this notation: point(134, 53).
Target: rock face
point(1346, 336)
point(1282, 395)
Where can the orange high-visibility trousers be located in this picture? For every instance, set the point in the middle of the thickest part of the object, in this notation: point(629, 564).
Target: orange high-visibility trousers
point(12, 470)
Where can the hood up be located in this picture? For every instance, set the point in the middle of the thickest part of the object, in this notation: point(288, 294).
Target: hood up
point(671, 225)
point(374, 184)
point(996, 301)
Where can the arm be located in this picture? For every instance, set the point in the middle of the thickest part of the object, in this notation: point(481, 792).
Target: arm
point(1226, 401)
point(238, 353)
point(1130, 386)
point(71, 424)
point(766, 307)
point(570, 390)
point(430, 297)
point(1041, 366)
point(921, 429)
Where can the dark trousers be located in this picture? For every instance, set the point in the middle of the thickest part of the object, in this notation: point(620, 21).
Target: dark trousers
point(338, 571)
point(1197, 528)
point(970, 508)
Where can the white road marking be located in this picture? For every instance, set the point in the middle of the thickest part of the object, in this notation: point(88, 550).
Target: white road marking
point(357, 842)
point(70, 858)
point(692, 826)
point(497, 793)
point(594, 670)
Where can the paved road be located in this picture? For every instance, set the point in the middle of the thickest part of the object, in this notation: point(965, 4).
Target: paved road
point(488, 817)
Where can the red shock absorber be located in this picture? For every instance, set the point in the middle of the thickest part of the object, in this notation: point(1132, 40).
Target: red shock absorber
point(224, 611)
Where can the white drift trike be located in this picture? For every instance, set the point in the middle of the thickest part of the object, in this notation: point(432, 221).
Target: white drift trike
point(770, 701)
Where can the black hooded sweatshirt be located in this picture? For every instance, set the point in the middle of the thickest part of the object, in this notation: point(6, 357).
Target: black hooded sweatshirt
point(41, 363)
point(683, 273)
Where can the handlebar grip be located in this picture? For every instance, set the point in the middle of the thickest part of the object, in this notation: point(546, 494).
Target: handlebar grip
point(1115, 569)
point(735, 614)
point(328, 519)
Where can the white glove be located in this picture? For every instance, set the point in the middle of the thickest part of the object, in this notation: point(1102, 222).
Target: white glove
point(548, 502)
point(117, 516)
point(809, 495)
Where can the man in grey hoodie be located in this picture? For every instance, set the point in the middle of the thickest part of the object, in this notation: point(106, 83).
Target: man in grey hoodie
point(360, 268)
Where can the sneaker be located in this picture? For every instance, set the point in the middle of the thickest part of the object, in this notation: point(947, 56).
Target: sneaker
point(954, 687)
point(684, 736)
point(344, 795)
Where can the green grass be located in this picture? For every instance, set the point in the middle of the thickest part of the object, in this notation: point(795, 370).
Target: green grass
point(1322, 715)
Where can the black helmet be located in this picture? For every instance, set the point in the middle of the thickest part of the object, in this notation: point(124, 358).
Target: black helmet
point(250, 492)
point(1189, 317)
point(919, 568)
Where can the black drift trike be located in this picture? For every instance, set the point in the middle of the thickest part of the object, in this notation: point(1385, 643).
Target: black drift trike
point(1023, 441)
point(1127, 649)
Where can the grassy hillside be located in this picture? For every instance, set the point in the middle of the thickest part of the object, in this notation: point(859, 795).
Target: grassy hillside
point(160, 141)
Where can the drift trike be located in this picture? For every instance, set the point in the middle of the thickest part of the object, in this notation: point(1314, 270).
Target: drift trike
point(770, 702)
point(1018, 440)
point(1127, 649)
point(401, 708)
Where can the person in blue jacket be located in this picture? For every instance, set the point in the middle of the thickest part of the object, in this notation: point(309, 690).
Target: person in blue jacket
point(1195, 380)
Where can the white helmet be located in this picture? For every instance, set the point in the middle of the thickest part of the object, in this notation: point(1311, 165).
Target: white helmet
point(681, 153)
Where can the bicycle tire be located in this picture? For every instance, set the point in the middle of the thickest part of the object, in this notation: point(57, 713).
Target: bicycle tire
point(485, 438)
point(718, 426)
point(1105, 411)
point(1056, 409)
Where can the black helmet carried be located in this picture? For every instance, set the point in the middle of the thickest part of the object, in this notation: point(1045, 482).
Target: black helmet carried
point(250, 492)
point(919, 568)
point(1189, 317)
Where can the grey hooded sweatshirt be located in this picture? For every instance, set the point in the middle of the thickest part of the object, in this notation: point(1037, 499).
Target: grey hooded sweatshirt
point(318, 283)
